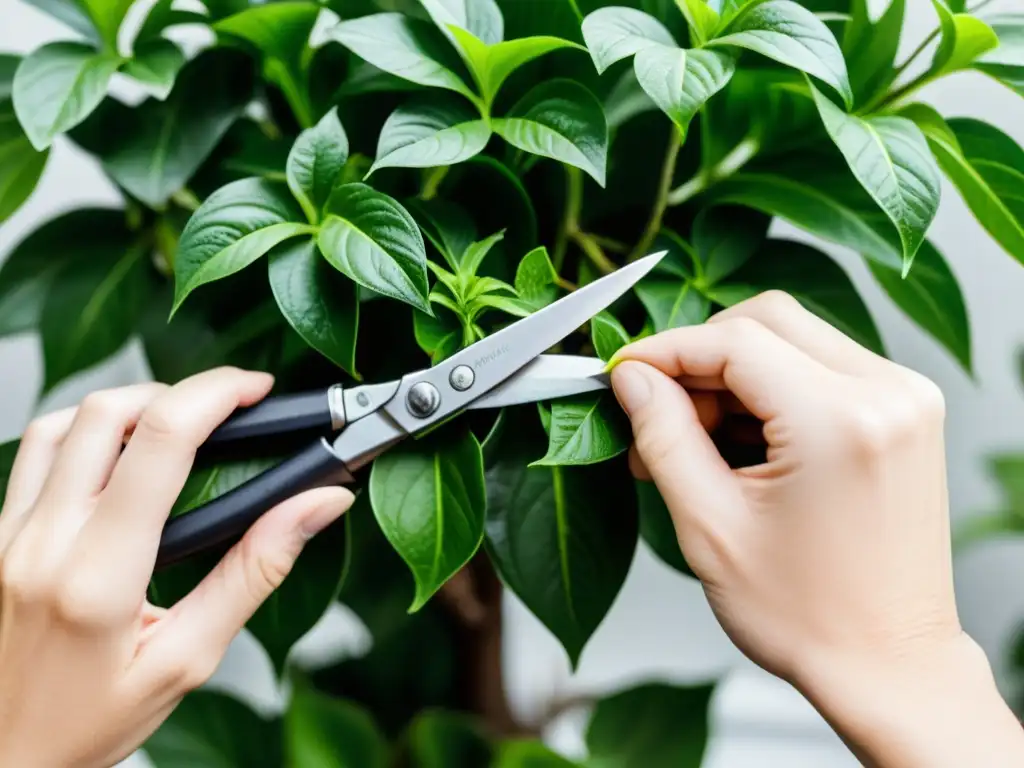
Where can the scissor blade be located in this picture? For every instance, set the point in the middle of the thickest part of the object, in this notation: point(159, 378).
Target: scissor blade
point(497, 357)
point(547, 377)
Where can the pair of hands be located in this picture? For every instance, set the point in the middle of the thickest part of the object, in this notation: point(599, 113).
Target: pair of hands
point(829, 564)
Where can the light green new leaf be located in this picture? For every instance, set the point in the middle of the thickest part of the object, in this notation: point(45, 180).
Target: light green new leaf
point(372, 239)
point(988, 169)
point(871, 46)
point(657, 528)
point(536, 279)
point(932, 125)
point(529, 754)
point(792, 35)
point(889, 157)
point(655, 725)
point(813, 279)
point(277, 30)
point(318, 302)
point(322, 731)
point(315, 163)
point(436, 130)
point(21, 165)
point(562, 538)
point(964, 40)
point(439, 335)
point(1006, 63)
point(608, 335)
point(235, 226)
point(724, 239)
point(586, 429)
point(562, 120)
point(439, 739)
point(430, 502)
point(474, 256)
point(701, 18)
point(680, 82)
point(59, 85)
point(407, 48)
point(481, 18)
point(156, 64)
point(614, 33)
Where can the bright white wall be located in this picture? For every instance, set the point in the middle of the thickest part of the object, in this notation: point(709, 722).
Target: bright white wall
point(660, 626)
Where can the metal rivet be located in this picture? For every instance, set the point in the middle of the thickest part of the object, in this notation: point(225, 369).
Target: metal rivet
point(461, 378)
point(362, 399)
point(423, 399)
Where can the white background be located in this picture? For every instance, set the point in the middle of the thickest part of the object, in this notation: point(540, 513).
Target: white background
point(660, 626)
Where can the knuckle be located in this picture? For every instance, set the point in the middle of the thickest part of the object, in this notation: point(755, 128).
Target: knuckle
point(186, 672)
point(744, 330)
point(776, 302)
point(99, 406)
point(46, 430)
point(75, 601)
point(158, 423)
point(928, 400)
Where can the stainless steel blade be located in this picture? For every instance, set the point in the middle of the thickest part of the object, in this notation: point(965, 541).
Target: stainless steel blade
point(547, 377)
point(430, 396)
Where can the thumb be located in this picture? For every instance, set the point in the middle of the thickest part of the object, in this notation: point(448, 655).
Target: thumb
point(692, 477)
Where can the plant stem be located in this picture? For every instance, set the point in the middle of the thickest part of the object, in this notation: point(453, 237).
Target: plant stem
point(886, 98)
point(186, 198)
point(610, 244)
point(296, 96)
point(571, 218)
point(740, 155)
point(594, 252)
point(661, 202)
point(432, 182)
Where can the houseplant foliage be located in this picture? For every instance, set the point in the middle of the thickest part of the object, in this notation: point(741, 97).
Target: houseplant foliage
point(354, 189)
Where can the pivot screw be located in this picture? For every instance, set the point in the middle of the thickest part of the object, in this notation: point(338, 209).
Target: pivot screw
point(461, 378)
point(423, 399)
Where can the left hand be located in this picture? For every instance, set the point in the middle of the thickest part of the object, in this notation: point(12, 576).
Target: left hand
point(88, 668)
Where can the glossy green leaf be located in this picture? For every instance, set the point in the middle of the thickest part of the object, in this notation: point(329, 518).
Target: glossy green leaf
point(407, 48)
point(430, 501)
point(562, 538)
point(965, 38)
point(8, 451)
point(790, 34)
point(438, 739)
point(701, 18)
point(724, 239)
point(536, 279)
point(871, 46)
point(889, 157)
point(325, 732)
point(440, 335)
point(278, 30)
point(932, 125)
point(433, 131)
point(811, 277)
point(655, 725)
point(562, 120)
point(608, 335)
point(234, 227)
point(71, 13)
point(680, 82)
point(372, 239)
point(21, 165)
point(213, 730)
point(529, 754)
point(156, 64)
point(57, 86)
point(446, 225)
point(165, 142)
point(657, 528)
point(474, 256)
point(315, 164)
point(98, 20)
point(616, 33)
point(481, 18)
point(318, 302)
point(1006, 62)
point(987, 167)
point(586, 429)
point(672, 303)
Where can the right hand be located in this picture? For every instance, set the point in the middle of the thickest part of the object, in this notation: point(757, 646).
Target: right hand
point(830, 563)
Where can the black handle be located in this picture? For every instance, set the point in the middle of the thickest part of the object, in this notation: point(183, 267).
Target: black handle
point(277, 416)
point(230, 515)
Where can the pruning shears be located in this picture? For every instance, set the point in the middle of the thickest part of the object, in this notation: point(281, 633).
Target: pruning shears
point(504, 369)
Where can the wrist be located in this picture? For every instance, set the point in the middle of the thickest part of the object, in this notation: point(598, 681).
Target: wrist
point(932, 703)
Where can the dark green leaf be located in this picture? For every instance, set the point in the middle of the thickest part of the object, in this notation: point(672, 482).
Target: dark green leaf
point(214, 730)
point(562, 538)
point(536, 279)
point(657, 528)
point(440, 335)
point(586, 429)
point(562, 120)
point(315, 164)
point(435, 130)
point(439, 739)
point(608, 335)
point(529, 754)
point(672, 303)
point(8, 451)
point(725, 238)
point(430, 501)
point(964, 40)
point(812, 278)
point(447, 226)
point(163, 15)
point(481, 18)
point(318, 302)
point(156, 64)
point(324, 732)
point(234, 227)
point(871, 47)
point(57, 86)
point(524, 18)
point(654, 725)
point(790, 34)
point(20, 164)
point(278, 30)
point(372, 239)
point(889, 157)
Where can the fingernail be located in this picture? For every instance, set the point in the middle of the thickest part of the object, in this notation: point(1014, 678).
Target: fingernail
point(631, 385)
point(320, 518)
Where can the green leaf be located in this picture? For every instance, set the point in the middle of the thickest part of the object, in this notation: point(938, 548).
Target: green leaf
point(324, 732)
point(319, 303)
point(871, 46)
point(165, 142)
point(680, 82)
point(404, 47)
point(71, 13)
point(475, 254)
point(657, 528)
point(529, 754)
point(481, 18)
point(655, 725)
point(889, 157)
point(561, 120)
point(988, 169)
point(931, 296)
point(372, 239)
point(586, 429)
point(614, 33)
point(812, 278)
point(439, 335)
point(701, 18)
point(21, 165)
point(315, 164)
point(59, 85)
point(438, 739)
point(430, 501)
point(8, 452)
point(98, 20)
point(163, 15)
point(156, 64)
point(429, 132)
point(278, 30)
point(964, 40)
point(536, 279)
point(447, 226)
point(932, 125)
point(672, 303)
point(792, 35)
point(724, 239)
point(1006, 62)
point(608, 335)
point(213, 730)
point(235, 226)
point(562, 538)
